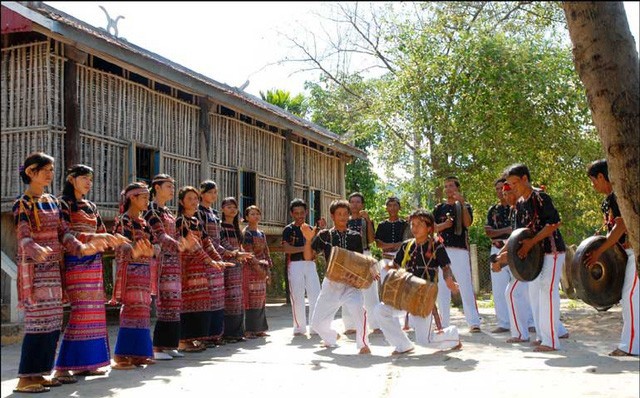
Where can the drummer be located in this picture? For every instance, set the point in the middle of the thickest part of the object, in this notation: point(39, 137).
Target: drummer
point(535, 210)
point(617, 232)
point(422, 256)
point(335, 294)
point(458, 250)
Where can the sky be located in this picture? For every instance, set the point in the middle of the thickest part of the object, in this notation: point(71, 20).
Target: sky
point(230, 42)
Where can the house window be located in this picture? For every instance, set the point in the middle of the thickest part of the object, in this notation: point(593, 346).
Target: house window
point(314, 203)
point(247, 190)
point(147, 164)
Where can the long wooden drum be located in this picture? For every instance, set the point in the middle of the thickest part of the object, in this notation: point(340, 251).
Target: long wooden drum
point(404, 291)
point(349, 267)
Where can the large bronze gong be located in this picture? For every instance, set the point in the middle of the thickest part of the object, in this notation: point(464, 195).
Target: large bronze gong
point(565, 280)
point(528, 268)
point(601, 284)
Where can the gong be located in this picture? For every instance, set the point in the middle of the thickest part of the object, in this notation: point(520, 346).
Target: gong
point(601, 284)
point(528, 268)
point(565, 280)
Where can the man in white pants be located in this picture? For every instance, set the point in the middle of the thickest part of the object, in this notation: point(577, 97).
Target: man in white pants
point(457, 246)
point(422, 256)
point(302, 273)
point(598, 172)
point(498, 228)
point(335, 294)
point(360, 222)
point(535, 210)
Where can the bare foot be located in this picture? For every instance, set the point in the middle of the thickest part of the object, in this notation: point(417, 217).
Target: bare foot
point(536, 343)
point(365, 350)
point(619, 353)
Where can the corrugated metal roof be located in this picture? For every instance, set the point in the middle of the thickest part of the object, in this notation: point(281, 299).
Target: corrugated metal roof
point(59, 20)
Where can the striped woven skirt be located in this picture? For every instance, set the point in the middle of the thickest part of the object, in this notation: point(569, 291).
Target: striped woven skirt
point(255, 299)
point(85, 342)
point(134, 336)
point(166, 333)
point(233, 302)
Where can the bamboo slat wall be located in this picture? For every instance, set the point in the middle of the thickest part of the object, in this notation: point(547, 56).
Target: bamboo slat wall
point(16, 145)
point(115, 113)
point(31, 118)
point(31, 86)
point(115, 107)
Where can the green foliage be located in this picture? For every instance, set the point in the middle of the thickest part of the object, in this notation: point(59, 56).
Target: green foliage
point(283, 99)
point(470, 88)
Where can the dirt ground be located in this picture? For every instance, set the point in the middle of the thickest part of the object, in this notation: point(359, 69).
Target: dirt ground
point(282, 365)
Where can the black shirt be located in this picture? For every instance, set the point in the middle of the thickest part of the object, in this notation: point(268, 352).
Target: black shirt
point(327, 238)
point(498, 218)
point(448, 236)
point(391, 231)
point(611, 211)
point(536, 212)
point(356, 224)
point(292, 234)
point(431, 253)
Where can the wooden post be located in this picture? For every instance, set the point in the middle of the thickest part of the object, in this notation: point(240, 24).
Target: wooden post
point(205, 138)
point(71, 115)
point(473, 255)
point(289, 180)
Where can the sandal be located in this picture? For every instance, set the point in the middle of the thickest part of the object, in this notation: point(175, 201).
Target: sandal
point(123, 366)
point(94, 372)
point(262, 334)
point(543, 348)
point(54, 382)
point(32, 389)
point(517, 340)
point(474, 329)
point(396, 352)
point(619, 353)
point(66, 379)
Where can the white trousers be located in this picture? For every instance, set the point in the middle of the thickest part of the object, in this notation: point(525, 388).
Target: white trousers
point(303, 276)
point(425, 332)
point(461, 268)
point(629, 340)
point(371, 300)
point(499, 282)
point(332, 296)
point(544, 293)
point(520, 316)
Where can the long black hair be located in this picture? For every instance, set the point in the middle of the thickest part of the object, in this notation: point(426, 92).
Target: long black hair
point(68, 191)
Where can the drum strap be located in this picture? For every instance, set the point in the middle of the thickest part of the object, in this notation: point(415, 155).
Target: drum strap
point(407, 253)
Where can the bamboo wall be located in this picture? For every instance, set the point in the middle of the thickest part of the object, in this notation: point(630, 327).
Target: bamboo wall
point(31, 111)
point(116, 113)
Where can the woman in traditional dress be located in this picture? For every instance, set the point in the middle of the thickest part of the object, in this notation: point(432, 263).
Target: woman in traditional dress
point(166, 334)
point(208, 217)
point(255, 275)
point(133, 284)
point(196, 293)
point(41, 233)
point(85, 343)
point(230, 236)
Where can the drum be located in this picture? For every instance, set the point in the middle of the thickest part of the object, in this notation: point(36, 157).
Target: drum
point(528, 268)
point(601, 284)
point(404, 291)
point(352, 268)
point(565, 279)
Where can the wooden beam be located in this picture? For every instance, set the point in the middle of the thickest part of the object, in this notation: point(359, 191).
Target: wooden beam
point(205, 138)
point(289, 167)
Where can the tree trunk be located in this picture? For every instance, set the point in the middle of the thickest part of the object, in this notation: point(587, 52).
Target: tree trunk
point(606, 60)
